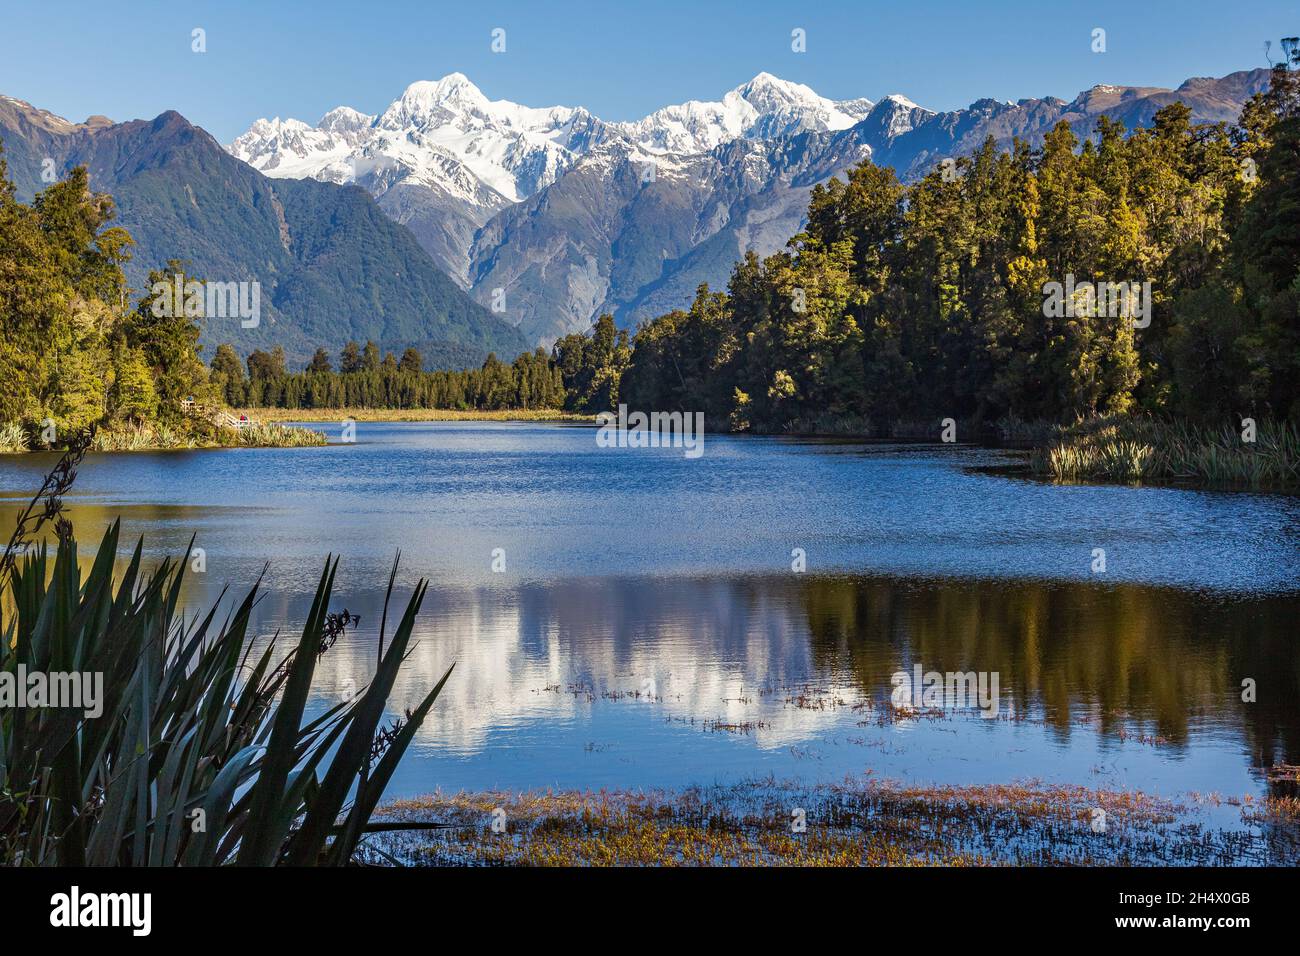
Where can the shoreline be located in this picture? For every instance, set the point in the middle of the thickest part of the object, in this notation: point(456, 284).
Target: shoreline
point(152, 438)
point(313, 415)
point(1106, 450)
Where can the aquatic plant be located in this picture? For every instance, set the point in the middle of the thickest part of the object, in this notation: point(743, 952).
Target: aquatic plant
point(139, 436)
point(153, 437)
point(831, 423)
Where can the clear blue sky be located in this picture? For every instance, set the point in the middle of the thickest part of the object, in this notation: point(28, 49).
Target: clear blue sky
point(129, 60)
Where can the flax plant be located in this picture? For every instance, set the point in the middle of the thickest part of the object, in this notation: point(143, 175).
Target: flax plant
point(202, 754)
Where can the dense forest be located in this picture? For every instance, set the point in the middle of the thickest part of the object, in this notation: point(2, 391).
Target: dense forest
point(899, 304)
point(364, 380)
point(77, 356)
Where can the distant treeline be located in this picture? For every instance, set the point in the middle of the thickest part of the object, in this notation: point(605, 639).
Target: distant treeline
point(365, 380)
point(580, 374)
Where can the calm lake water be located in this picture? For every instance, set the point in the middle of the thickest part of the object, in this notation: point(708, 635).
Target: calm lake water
point(648, 630)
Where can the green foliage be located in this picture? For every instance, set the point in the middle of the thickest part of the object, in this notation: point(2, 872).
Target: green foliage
point(412, 361)
point(320, 362)
point(195, 726)
point(592, 366)
point(227, 376)
point(70, 349)
point(1124, 448)
point(900, 305)
point(142, 436)
point(532, 381)
point(273, 435)
point(13, 438)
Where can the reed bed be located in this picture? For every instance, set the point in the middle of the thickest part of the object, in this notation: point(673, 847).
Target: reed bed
point(275, 435)
point(1143, 449)
point(154, 437)
point(832, 425)
point(142, 437)
point(13, 438)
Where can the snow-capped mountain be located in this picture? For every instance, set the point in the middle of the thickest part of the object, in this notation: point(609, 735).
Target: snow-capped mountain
point(449, 136)
point(445, 132)
point(291, 149)
point(443, 159)
point(764, 108)
point(331, 264)
point(570, 215)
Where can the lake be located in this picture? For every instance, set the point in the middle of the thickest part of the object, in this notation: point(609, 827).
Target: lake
point(646, 627)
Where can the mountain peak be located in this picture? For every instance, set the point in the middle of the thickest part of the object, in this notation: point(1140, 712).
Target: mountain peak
point(51, 122)
point(764, 79)
point(898, 99)
point(767, 93)
point(432, 102)
point(344, 118)
point(454, 87)
point(895, 115)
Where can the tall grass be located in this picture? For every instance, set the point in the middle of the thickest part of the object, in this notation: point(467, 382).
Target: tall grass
point(1120, 448)
point(831, 424)
point(13, 438)
point(153, 436)
point(273, 435)
point(141, 437)
point(201, 755)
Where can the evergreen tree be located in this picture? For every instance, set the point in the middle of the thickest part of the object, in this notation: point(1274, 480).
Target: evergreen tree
point(412, 360)
point(350, 358)
point(320, 362)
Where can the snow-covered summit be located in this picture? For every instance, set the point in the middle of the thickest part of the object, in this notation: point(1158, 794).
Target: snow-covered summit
point(448, 135)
